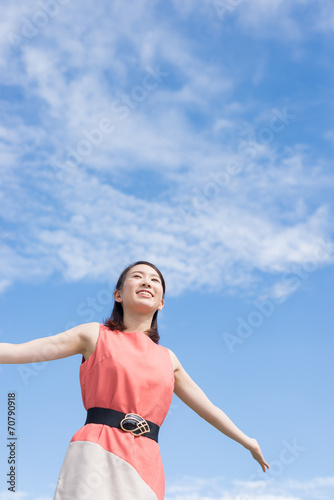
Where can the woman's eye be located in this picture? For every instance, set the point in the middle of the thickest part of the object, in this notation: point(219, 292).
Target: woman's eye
point(139, 276)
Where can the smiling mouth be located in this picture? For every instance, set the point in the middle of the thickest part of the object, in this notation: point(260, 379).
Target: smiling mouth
point(145, 293)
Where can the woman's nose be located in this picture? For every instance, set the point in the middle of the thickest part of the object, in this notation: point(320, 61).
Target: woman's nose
point(145, 283)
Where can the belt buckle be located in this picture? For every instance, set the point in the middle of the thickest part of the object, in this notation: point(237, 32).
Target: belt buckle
point(139, 424)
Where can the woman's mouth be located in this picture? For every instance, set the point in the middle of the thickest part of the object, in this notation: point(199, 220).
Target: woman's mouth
point(145, 293)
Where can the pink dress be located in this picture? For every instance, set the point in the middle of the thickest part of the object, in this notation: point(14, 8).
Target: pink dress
point(130, 373)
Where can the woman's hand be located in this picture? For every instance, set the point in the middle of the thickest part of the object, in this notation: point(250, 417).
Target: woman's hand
point(255, 450)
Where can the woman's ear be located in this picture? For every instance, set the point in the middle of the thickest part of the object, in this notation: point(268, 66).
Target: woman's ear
point(117, 296)
point(161, 305)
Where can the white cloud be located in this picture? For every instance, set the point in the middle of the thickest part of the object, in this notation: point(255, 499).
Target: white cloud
point(130, 196)
point(270, 18)
point(221, 488)
point(18, 495)
point(286, 20)
point(96, 226)
point(273, 488)
point(314, 483)
point(325, 17)
point(9, 495)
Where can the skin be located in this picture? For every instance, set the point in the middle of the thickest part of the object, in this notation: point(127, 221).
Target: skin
point(138, 309)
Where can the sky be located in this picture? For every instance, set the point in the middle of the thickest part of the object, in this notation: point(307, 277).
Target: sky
point(197, 135)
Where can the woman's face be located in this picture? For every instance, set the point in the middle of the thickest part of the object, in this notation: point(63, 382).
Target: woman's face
point(142, 290)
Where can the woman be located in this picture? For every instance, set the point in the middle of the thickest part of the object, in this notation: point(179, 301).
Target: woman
point(127, 383)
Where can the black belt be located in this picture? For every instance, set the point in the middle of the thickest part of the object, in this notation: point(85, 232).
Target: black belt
point(128, 422)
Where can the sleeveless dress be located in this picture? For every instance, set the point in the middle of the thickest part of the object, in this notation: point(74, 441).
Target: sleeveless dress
point(130, 373)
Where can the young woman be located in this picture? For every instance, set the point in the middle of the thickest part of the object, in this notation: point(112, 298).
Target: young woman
point(127, 383)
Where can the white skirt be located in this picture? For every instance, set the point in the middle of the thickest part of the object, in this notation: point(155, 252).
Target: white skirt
point(89, 472)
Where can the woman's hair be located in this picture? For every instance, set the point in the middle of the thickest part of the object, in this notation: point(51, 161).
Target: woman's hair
point(115, 321)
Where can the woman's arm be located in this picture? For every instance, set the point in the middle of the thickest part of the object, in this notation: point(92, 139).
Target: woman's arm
point(193, 396)
point(62, 345)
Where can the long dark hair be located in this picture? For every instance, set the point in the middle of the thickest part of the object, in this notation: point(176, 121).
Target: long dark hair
point(115, 321)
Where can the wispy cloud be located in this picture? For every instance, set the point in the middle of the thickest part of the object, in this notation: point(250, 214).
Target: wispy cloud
point(220, 488)
point(280, 19)
point(21, 495)
point(152, 186)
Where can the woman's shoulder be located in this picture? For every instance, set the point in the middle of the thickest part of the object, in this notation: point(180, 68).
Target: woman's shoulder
point(90, 334)
point(89, 329)
point(175, 361)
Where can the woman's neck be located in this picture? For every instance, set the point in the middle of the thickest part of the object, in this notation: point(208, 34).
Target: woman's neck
point(136, 323)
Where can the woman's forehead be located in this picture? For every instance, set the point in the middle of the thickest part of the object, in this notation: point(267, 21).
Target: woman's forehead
point(143, 268)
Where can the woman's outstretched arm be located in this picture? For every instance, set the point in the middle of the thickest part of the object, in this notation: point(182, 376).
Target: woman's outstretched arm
point(62, 345)
point(193, 396)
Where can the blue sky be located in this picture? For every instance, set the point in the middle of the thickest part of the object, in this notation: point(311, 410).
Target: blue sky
point(199, 136)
